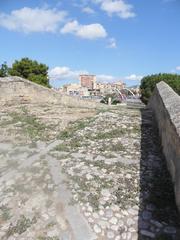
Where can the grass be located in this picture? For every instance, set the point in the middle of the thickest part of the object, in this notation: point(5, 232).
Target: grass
point(109, 155)
point(74, 127)
point(113, 147)
point(21, 226)
point(111, 134)
point(62, 148)
point(48, 238)
point(116, 147)
point(4, 213)
point(28, 124)
point(90, 190)
point(68, 145)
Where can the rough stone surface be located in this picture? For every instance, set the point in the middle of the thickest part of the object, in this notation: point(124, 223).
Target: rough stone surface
point(80, 174)
point(18, 90)
point(165, 103)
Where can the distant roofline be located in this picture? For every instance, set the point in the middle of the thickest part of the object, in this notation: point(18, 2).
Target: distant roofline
point(87, 75)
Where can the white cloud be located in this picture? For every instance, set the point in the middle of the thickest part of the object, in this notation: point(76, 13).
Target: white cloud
point(70, 27)
point(112, 43)
point(65, 73)
point(60, 73)
point(33, 20)
point(178, 68)
point(134, 77)
point(88, 10)
point(91, 31)
point(117, 7)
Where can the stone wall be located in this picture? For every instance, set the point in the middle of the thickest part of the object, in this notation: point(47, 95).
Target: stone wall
point(166, 105)
point(15, 90)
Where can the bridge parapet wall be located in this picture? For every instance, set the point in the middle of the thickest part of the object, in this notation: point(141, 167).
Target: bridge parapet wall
point(14, 90)
point(165, 104)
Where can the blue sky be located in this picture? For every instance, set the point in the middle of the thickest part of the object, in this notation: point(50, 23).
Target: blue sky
point(114, 39)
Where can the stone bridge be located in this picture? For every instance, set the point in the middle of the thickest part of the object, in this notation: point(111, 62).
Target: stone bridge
point(69, 172)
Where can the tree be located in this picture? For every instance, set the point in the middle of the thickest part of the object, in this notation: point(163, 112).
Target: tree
point(4, 70)
point(148, 84)
point(31, 70)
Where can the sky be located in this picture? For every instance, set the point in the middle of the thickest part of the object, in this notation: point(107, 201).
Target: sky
point(113, 39)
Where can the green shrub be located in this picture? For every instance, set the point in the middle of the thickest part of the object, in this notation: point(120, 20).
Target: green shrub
point(114, 99)
point(31, 70)
point(148, 84)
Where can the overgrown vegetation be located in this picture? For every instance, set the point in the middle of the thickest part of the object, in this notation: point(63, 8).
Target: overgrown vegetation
point(114, 99)
point(29, 69)
point(48, 238)
point(21, 226)
point(148, 84)
point(70, 131)
point(28, 124)
point(4, 213)
point(4, 70)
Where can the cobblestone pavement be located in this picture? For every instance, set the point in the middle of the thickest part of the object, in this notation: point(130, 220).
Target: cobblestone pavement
point(101, 177)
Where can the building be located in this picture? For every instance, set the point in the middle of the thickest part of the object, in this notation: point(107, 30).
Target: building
point(108, 88)
point(88, 87)
point(88, 81)
point(75, 89)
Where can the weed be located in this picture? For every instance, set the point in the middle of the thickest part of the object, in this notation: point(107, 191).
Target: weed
point(74, 127)
point(62, 147)
point(4, 213)
point(29, 124)
point(21, 226)
point(48, 238)
point(116, 147)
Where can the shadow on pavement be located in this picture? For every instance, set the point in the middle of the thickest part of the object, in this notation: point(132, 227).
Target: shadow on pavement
point(158, 218)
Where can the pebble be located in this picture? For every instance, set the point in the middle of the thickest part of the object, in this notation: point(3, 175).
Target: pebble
point(128, 237)
point(118, 215)
point(147, 233)
point(132, 230)
point(105, 193)
point(87, 214)
point(97, 229)
point(118, 238)
point(89, 176)
point(133, 212)
point(101, 212)
point(90, 220)
point(156, 223)
point(109, 213)
point(124, 236)
point(170, 230)
point(115, 208)
point(143, 224)
point(110, 235)
point(128, 176)
point(121, 223)
point(150, 207)
point(124, 212)
point(103, 224)
point(130, 222)
point(146, 215)
point(95, 215)
point(113, 220)
point(90, 209)
point(52, 233)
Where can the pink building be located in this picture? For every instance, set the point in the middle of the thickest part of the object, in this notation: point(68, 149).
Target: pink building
point(88, 81)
